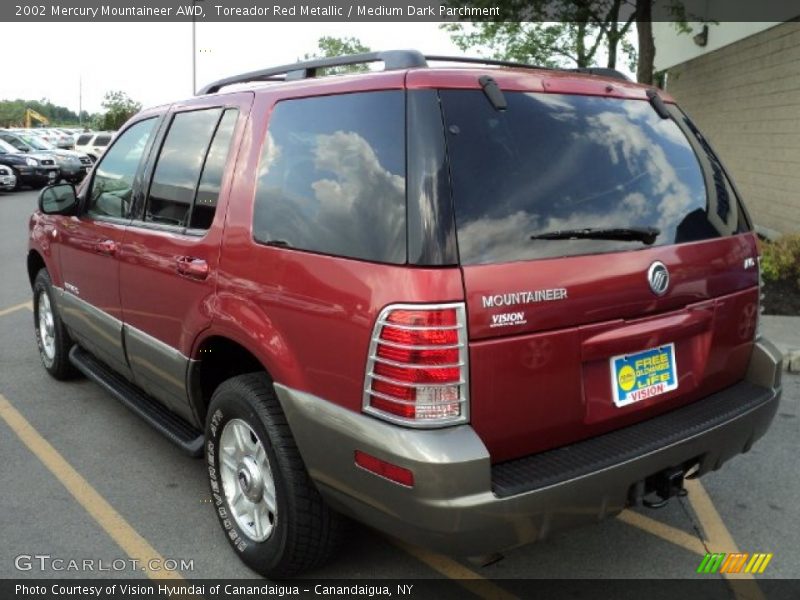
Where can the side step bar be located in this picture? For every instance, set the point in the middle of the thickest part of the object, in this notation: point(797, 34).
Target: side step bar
point(177, 430)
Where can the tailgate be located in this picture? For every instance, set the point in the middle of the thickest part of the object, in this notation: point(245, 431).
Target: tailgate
point(609, 268)
point(548, 379)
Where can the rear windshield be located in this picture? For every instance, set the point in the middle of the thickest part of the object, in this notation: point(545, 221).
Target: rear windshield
point(554, 163)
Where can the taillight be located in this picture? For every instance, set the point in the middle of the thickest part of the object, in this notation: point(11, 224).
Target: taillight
point(417, 369)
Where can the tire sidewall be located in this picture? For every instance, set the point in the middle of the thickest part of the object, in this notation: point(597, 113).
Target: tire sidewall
point(226, 406)
point(41, 286)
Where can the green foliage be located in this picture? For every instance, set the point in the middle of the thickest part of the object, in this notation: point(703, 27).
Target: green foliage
point(329, 47)
point(119, 108)
point(780, 260)
point(12, 112)
point(550, 33)
point(569, 33)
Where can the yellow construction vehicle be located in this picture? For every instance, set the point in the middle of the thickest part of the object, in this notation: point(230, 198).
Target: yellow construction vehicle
point(31, 115)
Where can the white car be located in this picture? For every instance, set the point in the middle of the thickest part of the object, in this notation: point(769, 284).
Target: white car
point(8, 180)
point(94, 143)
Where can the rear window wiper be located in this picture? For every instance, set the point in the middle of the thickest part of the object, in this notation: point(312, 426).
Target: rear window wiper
point(646, 235)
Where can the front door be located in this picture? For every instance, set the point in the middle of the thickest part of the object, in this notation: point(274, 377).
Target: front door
point(90, 301)
point(169, 257)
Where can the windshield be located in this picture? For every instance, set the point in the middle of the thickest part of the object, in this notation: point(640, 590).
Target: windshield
point(558, 163)
point(37, 143)
point(7, 148)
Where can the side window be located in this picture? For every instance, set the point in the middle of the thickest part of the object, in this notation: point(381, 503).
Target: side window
point(112, 186)
point(83, 139)
point(332, 177)
point(179, 166)
point(102, 140)
point(205, 204)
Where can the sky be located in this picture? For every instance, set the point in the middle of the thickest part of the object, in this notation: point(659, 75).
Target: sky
point(152, 62)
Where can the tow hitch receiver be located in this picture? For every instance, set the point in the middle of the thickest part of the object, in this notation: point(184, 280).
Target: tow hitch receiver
point(664, 485)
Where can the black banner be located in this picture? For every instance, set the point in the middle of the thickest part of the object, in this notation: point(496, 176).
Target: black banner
point(384, 10)
point(705, 587)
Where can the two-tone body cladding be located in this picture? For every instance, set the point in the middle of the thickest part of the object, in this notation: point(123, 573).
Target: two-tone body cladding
point(467, 306)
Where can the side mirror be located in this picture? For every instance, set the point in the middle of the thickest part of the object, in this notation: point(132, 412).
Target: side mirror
point(59, 199)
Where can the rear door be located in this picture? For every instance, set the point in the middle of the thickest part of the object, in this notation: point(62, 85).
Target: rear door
point(608, 266)
point(170, 254)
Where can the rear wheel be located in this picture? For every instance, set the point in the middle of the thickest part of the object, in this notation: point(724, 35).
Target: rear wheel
point(272, 514)
point(51, 336)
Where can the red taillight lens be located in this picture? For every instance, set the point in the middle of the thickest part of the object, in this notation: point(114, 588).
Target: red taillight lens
point(428, 357)
point(419, 337)
point(418, 374)
point(385, 469)
point(445, 317)
point(417, 367)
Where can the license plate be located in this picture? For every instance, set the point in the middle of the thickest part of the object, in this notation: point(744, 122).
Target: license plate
point(636, 377)
point(51, 175)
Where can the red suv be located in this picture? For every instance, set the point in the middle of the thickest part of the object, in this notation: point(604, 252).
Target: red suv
point(464, 305)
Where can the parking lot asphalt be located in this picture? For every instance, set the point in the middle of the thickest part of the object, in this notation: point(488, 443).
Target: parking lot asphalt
point(84, 478)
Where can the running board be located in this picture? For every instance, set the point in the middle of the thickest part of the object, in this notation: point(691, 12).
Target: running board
point(176, 429)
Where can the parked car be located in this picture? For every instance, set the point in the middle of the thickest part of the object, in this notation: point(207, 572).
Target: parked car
point(35, 170)
point(56, 138)
point(8, 181)
point(466, 306)
point(73, 165)
point(93, 144)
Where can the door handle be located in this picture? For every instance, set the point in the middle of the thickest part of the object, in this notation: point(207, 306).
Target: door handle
point(107, 247)
point(194, 268)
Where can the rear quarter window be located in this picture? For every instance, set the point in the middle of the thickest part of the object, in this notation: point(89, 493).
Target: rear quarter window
point(554, 162)
point(332, 177)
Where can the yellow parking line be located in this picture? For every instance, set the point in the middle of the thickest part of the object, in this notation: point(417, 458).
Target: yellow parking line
point(467, 578)
point(11, 309)
point(663, 531)
point(100, 510)
point(720, 539)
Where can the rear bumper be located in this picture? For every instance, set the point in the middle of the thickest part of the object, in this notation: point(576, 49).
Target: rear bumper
point(461, 504)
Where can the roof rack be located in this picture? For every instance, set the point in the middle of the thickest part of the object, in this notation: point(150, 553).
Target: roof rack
point(485, 61)
point(602, 72)
point(392, 60)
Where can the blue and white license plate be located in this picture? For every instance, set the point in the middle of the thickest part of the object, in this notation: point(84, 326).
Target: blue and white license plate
point(642, 375)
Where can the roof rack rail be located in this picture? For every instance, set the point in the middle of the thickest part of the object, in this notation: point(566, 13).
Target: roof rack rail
point(392, 59)
point(602, 72)
point(485, 61)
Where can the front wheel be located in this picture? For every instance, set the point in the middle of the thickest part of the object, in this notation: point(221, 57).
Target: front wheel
point(51, 336)
point(271, 512)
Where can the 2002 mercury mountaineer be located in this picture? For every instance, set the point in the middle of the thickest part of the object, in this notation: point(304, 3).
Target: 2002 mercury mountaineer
point(465, 305)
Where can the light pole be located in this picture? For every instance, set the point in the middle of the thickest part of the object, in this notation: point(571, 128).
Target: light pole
point(194, 50)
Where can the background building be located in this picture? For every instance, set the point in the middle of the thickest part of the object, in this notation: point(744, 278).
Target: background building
point(740, 82)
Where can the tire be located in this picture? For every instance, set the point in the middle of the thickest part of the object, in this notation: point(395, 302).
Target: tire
point(18, 184)
point(302, 532)
point(52, 339)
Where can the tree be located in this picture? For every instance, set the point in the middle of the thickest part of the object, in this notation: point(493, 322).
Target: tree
point(551, 33)
point(12, 112)
point(561, 33)
point(119, 108)
point(329, 47)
